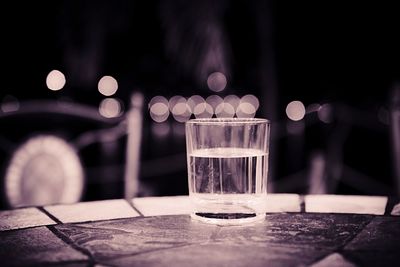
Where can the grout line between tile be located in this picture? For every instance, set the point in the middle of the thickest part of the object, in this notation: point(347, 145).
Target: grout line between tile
point(51, 216)
point(392, 201)
point(69, 242)
point(130, 203)
point(302, 203)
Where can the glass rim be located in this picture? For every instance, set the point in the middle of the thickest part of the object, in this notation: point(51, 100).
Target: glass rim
point(216, 121)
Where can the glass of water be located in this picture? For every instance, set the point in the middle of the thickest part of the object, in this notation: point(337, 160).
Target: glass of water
point(227, 162)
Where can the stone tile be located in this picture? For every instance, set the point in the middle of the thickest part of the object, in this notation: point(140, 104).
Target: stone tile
point(396, 210)
point(378, 244)
point(169, 205)
point(328, 231)
point(373, 258)
point(332, 260)
point(23, 218)
point(92, 211)
point(382, 234)
point(220, 254)
point(125, 237)
point(346, 204)
point(283, 203)
point(36, 247)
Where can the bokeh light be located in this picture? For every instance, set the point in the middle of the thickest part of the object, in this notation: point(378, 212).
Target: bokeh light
point(251, 99)
point(179, 108)
point(196, 102)
point(203, 111)
point(325, 113)
point(173, 101)
point(214, 101)
point(248, 106)
point(110, 108)
point(225, 110)
point(295, 110)
point(107, 85)
point(9, 104)
point(246, 110)
point(55, 80)
point(216, 81)
point(233, 100)
point(159, 110)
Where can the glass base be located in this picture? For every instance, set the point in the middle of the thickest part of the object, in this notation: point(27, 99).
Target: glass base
point(228, 218)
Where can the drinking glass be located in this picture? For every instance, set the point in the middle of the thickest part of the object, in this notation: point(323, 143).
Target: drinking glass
point(227, 161)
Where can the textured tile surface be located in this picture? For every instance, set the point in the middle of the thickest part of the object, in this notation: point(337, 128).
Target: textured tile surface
point(378, 244)
point(110, 239)
point(325, 231)
point(92, 211)
point(23, 218)
point(36, 247)
point(281, 240)
point(346, 204)
point(382, 233)
point(217, 255)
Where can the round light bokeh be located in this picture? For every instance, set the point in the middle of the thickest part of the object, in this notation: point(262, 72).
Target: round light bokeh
point(107, 85)
point(110, 108)
point(248, 106)
point(179, 108)
point(225, 110)
point(55, 80)
point(216, 81)
point(159, 108)
point(233, 100)
point(295, 110)
point(214, 101)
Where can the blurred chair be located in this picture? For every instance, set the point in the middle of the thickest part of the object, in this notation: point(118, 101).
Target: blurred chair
point(44, 165)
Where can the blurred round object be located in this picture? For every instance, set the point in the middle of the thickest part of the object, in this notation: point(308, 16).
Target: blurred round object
point(216, 81)
point(247, 107)
point(325, 113)
point(107, 85)
point(55, 80)
point(225, 110)
point(195, 102)
point(203, 111)
point(245, 110)
point(44, 170)
point(233, 100)
point(295, 110)
point(251, 99)
point(175, 100)
point(179, 108)
point(214, 101)
point(159, 110)
point(110, 107)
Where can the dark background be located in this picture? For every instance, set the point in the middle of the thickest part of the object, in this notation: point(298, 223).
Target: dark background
point(346, 55)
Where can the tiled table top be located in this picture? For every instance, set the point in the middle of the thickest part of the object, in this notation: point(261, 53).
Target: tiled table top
point(312, 230)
